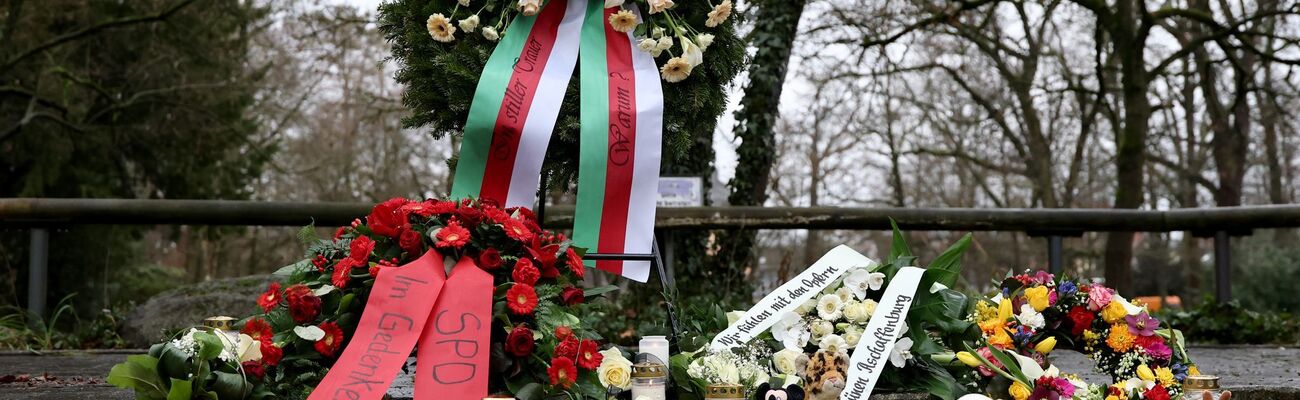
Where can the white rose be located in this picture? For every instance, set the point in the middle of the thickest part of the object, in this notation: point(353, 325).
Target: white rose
point(820, 328)
point(649, 46)
point(830, 307)
point(614, 370)
point(469, 24)
point(657, 6)
point(734, 316)
point(868, 308)
point(854, 312)
point(658, 32)
point(785, 361)
point(613, 3)
point(852, 335)
point(665, 43)
point(834, 343)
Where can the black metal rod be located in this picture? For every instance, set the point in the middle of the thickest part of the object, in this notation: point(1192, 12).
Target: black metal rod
point(1054, 255)
point(1222, 267)
point(38, 271)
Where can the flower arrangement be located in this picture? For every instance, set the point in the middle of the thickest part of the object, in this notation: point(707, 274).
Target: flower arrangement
point(196, 363)
point(539, 344)
point(1034, 312)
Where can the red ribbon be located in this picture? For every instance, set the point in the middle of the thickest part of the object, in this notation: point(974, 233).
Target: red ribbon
point(406, 305)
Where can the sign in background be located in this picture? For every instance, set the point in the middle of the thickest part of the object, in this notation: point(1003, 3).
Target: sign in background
point(681, 191)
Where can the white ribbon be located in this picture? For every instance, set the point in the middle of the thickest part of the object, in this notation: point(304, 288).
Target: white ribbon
point(872, 353)
point(789, 296)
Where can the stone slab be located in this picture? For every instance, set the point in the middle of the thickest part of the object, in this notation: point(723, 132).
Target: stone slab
point(1251, 372)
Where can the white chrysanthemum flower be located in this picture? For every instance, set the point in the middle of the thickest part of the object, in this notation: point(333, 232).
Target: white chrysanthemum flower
point(834, 343)
point(830, 307)
point(658, 6)
point(820, 328)
point(704, 40)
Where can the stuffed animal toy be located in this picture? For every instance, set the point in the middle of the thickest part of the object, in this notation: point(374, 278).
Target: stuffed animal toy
point(824, 375)
point(766, 392)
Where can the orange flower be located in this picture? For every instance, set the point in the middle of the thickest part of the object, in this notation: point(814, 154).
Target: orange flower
point(1120, 339)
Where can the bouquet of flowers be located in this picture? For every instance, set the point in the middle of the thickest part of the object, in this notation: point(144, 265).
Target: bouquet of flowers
point(1033, 313)
point(539, 345)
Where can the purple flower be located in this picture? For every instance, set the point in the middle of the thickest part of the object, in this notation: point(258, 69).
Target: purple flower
point(1142, 324)
point(1042, 278)
point(1067, 288)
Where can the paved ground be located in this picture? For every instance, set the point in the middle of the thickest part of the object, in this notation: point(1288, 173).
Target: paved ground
point(1252, 372)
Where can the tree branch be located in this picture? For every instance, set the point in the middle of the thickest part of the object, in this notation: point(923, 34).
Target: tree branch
point(91, 30)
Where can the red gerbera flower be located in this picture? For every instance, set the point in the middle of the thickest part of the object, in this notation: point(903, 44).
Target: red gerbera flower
point(525, 272)
point(517, 231)
point(568, 347)
point(562, 372)
point(489, 259)
point(521, 299)
point(360, 248)
point(271, 353)
point(421, 208)
point(574, 261)
point(341, 270)
point(333, 339)
point(304, 306)
point(452, 235)
point(271, 298)
point(258, 329)
point(589, 356)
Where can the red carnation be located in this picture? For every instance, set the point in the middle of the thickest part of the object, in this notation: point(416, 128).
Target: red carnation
point(520, 342)
point(271, 353)
point(1081, 319)
point(589, 356)
point(360, 248)
point(572, 296)
point(517, 231)
point(253, 369)
point(472, 216)
point(258, 329)
point(568, 347)
point(341, 270)
point(562, 372)
point(421, 208)
point(521, 299)
point(496, 215)
point(338, 233)
point(574, 261)
point(563, 332)
point(386, 219)
point(1157, 392)
point(443, 207)
point(333, 339)
point(271, 298)
point(452, 235)
point(525, 272)
point(490, 259)
point(304, 305)
point(411, 241)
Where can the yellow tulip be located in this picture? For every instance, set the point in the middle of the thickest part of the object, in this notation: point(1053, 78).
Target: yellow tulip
point(1193, 370)
point(969, 359)
point(1004, 310)
point(1144, 373)
point(1018, 391)
point(1038, 297)
point(1046, 345)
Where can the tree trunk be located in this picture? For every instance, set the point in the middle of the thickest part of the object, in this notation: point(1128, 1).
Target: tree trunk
point(1129, 42)
point(775, 26)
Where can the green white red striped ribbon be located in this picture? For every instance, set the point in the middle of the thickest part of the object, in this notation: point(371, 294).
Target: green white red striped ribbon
point(514, 111)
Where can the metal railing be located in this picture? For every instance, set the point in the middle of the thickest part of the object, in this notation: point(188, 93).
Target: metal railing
point(40, 215)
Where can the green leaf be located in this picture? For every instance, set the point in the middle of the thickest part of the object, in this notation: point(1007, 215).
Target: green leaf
point(946, 309)
point(139, 373)
point(173, 363)
point(899, 247)
point(597, 291)
point(291, 269)
point(936, 381)
point(209, 346)
point(230, 386)
point(181, 389)
point(1010, 363)
point(947, 267)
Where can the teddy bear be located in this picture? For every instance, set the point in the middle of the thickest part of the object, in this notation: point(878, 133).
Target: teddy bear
point(766, 392)
point(824, 374)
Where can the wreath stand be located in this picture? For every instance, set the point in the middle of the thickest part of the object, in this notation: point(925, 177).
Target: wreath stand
point(654, 257)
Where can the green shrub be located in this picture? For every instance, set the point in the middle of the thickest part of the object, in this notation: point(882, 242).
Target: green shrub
point(1233, 323)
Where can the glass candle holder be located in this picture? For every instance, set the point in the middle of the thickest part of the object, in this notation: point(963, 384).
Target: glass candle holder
point(1202, 387)
point(649, 381)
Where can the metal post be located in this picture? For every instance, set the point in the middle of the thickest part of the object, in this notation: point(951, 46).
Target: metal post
point(1222, 266)
point(669, 257)
point(1054, 255)
point(38, 271)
